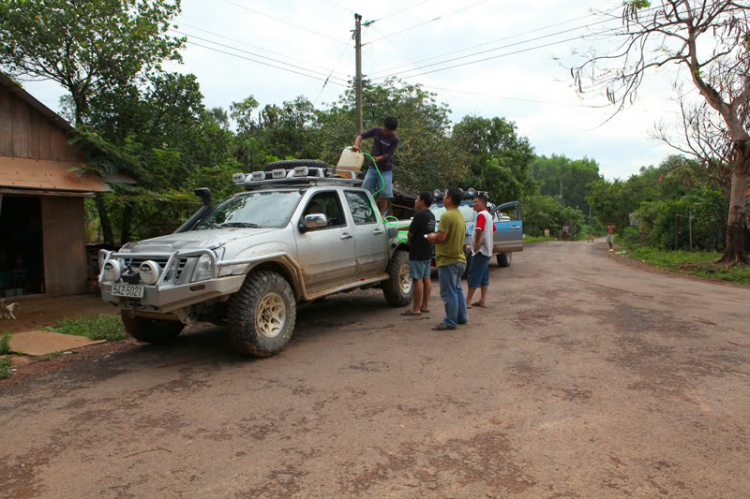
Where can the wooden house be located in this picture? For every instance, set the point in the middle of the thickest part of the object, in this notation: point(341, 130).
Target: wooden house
point(42, 237)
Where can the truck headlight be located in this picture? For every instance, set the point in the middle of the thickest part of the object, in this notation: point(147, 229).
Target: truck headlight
point(112, 271)
point(202, 269)
point(149, 272)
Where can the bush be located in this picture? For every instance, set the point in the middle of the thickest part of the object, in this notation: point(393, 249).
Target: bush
point(100, 327)
point(633, 237)
point(5, 365)
point(5, 344)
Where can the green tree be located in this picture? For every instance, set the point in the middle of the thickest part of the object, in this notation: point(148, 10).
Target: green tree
point(566, 178)
point(499, 159)
point(89, 47)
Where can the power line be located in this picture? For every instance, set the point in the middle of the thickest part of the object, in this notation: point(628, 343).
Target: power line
point(391, 74)
point(263, 63)
point(504, 55)
point(549, 35)
point(508, 46)
point(283, 21)
point(428, 22)
point(340, 6)
point(254, 54)
point(409, 59)
point(399, 11)
point(521, 99)
point(329, 76)
point(258, 48)
point(496, 40)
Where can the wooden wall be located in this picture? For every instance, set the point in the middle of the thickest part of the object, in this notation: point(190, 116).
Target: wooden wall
point(65, 271)
point(25, 133)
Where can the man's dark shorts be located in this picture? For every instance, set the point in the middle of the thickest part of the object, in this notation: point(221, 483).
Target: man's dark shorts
point(479, 271)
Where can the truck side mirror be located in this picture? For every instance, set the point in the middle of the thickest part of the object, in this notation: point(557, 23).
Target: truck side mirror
point(313, 221)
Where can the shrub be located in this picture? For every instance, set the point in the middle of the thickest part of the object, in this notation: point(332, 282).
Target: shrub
point(5, 344)
point(5, 365)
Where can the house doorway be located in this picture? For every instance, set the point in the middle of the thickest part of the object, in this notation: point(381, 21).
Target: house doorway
point(21, 249)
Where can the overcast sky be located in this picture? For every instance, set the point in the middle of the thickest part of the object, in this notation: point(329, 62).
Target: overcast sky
point(532, 88)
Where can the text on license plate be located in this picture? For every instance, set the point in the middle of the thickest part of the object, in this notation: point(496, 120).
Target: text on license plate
point(128, 290)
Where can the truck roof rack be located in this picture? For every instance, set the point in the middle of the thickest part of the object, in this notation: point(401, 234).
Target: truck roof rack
point(301, 175)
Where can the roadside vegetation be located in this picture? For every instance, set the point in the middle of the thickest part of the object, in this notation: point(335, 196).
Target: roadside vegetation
point(96, 327)
point(5, 367)
point(5, 343)
point(697, 263)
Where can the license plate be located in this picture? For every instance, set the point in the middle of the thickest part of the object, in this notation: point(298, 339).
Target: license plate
point(128, 290)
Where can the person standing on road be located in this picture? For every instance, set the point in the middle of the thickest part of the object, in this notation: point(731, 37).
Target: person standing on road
point(566, 232)
point(481, 252)
point(611, 236)
point(450, 259)
point(420, 254)
point(384, 148)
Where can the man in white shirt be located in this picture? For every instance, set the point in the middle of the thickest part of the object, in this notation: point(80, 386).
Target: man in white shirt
point(481, 252)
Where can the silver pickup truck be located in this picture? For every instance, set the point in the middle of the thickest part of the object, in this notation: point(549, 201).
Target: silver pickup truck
point(296, 235)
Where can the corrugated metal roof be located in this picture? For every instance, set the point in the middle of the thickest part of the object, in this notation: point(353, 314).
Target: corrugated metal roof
point(47, 174)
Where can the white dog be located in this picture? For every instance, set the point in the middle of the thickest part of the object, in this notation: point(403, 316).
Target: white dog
point(6, 311)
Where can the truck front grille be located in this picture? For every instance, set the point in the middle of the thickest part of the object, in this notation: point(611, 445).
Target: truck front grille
point(132, 265)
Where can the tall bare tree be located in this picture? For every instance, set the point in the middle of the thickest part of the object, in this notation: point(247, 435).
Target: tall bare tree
point(711, 40)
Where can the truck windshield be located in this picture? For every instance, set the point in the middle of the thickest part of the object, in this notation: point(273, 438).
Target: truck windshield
point(254, 209)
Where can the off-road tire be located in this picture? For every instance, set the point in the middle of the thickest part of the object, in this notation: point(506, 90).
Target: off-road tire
point(150, 330)
point(254, 303)
point(395, 289)
point(294, 163)
point(504, 259)
point(467, 254)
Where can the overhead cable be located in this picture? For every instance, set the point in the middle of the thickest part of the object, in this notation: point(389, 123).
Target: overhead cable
point(282, 21)
point(426, 22)
point(254, 54)
point(259, 48)
point(263, 63)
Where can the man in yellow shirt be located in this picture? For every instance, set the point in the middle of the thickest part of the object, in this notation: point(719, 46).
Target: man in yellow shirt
point(450, 259)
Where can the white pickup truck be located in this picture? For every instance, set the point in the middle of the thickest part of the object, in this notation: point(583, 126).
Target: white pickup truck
point(298, 233)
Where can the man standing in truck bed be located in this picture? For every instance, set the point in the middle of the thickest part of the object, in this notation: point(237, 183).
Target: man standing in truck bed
point(384, 147)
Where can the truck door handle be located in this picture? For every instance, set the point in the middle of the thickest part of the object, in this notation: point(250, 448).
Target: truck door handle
point(345, 236)
point(515, 226)
point(378, 232)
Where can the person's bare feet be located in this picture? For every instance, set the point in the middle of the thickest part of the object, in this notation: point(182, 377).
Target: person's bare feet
point(478, 304)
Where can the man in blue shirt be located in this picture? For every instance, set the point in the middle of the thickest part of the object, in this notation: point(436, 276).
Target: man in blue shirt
point(384, 147)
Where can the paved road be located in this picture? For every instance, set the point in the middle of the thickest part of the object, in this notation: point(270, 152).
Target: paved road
point(586, 378)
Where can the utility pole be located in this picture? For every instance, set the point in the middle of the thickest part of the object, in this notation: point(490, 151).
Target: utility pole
point(358, 76)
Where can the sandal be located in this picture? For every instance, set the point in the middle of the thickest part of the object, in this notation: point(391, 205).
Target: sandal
point(443, 327)
point(424, 310)
point(409, 312)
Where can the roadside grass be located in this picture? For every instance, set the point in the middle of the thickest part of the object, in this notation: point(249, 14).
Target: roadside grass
point(697, 263)
point(5, 343)
point(94, 327)
point(5, 365)
point(537, 239)
point(50, 356)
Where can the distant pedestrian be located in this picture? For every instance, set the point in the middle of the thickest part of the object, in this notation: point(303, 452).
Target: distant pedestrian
point(566, 232)
point(546, 232)
point(611, 236)
point(450, 259)
point(481, 252)
point(420, 254)
point(384, 148)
